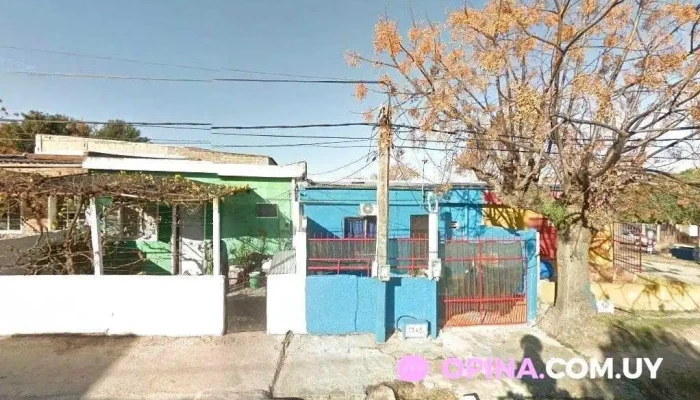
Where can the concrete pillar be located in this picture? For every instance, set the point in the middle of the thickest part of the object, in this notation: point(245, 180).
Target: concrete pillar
point(298, 297)
point(300, 246)
point(95, 232)
point(216, 237)
point(296, 208)
point(433, 242)
point(52, 217)
point(174, 252)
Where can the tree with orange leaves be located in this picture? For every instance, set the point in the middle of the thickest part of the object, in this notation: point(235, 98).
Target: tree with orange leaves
point(593, 95)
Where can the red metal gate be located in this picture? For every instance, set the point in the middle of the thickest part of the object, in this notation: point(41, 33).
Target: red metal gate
point(628, 246)
point(484, 282)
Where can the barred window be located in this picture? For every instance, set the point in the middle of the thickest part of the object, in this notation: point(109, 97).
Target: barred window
point(10, 215)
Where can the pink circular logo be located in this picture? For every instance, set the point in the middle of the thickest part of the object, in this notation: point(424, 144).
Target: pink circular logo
point(412, 368)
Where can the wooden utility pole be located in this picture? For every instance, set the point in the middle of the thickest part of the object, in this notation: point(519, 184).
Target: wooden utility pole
point(381, 262)
point(385, 140)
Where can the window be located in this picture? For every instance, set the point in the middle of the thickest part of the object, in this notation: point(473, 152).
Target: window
point(132, 223)
point(360, 227)
point(10, 215)
point(68, 209)
point(419, 226)
point(266, 210)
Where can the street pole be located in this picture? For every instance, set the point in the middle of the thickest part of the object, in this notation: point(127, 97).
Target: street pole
point(385, 140)
point(381, 263)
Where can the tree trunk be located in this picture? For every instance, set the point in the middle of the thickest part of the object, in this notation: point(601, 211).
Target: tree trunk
point(573, 295)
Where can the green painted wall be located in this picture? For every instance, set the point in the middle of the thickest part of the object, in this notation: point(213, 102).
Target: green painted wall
point(242, 232)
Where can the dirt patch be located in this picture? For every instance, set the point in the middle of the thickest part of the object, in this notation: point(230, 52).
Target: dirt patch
point(246, 311)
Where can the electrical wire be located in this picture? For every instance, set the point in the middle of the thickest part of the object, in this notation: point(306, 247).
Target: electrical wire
point(364, 156)
point(299, 126)
point(189, 80)
point(162, 64)
point(111, 77)
point(139, 123)
point(288, 144)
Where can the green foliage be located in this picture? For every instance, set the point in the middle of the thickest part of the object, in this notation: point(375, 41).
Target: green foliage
point(117, 129)
point(18, 137)
point(672, 203)
point(555, 211)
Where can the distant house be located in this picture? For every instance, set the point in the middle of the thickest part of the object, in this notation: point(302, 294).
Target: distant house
point(15, 220)
point(163, 239)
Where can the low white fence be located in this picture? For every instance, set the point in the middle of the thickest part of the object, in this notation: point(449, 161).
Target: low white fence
point(286, 289)
point(112, 305)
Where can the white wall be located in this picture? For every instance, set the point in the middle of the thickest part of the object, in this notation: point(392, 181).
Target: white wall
point(136, 304)
point(286, 304)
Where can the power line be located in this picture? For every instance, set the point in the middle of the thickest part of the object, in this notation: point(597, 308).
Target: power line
point(364, 157)
point(139, 123)
point(162, 64)
point(197, 80)
point(301, 126)
point(332, 81)
point(289, 144)
point(113, 77)
point(355, 172)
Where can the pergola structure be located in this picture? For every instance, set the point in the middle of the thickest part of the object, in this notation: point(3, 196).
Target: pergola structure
point(173, 190)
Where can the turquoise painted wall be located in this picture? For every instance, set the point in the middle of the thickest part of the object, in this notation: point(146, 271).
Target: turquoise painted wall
point(326, 209)
point(345, 304)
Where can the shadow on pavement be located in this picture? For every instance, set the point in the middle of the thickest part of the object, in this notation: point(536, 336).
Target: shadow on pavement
point(676, 379)
point(245, 313)
point(55, 366)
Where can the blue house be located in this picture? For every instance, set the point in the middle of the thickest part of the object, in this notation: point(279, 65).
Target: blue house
point(333, 210)
point(489, 274)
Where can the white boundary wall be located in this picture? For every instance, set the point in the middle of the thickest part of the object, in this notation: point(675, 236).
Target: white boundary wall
point(112, 305)
point(286, 294)
point(286, 304)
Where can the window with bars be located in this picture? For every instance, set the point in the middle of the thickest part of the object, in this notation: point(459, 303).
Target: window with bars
point(10, 215)
point(67, 210)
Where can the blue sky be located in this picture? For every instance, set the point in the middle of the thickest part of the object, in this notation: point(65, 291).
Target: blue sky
point(304, 37)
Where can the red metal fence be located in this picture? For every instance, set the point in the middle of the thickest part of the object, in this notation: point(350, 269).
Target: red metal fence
point(409, 253)
point(340, 254)
point(484, 282)
point(347, 255)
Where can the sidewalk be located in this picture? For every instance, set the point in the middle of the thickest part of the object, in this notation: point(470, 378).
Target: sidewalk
point(88, 367)
point(241, 365)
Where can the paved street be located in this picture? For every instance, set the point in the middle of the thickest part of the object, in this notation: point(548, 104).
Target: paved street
point(68, 367)
point(241, 365)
